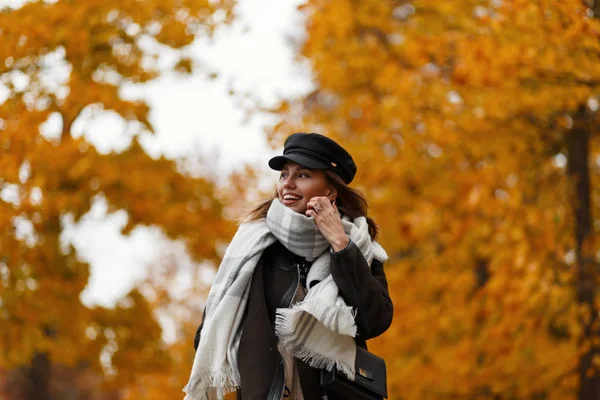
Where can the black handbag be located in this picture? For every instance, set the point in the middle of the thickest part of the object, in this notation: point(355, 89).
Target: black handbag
point(370, 382)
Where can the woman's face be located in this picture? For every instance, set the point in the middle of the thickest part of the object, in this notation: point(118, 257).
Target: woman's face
point(298, 184)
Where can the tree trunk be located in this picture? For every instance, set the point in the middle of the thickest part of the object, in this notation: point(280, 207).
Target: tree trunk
point(28, 383)
point(578, 170)
point(39, 378)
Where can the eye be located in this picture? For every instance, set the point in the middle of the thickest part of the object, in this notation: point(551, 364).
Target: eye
point(304, 175)
point(282, 176)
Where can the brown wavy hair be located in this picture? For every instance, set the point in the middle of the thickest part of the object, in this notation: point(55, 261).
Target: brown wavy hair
point(350, 202)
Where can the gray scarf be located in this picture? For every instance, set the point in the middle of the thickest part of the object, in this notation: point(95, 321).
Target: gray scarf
point(319, 330)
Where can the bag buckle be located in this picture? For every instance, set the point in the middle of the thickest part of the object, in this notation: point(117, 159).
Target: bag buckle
point(365, 374)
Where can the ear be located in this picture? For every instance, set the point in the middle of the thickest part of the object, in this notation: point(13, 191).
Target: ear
point(331, 193)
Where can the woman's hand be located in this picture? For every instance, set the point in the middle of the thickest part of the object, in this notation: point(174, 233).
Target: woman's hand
point(327, 219)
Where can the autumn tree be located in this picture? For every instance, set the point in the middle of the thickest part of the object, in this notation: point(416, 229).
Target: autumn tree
point(474, 126)
point(60, 60)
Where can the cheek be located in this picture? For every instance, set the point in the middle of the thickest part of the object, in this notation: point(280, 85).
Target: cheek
point(316, 190)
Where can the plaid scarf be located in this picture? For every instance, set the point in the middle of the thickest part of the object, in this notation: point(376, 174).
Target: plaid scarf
point(319, 330)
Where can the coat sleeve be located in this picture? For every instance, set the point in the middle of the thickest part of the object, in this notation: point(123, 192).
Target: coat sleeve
point(363, 288)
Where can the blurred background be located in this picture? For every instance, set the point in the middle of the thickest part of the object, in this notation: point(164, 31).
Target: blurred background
point(135, 133)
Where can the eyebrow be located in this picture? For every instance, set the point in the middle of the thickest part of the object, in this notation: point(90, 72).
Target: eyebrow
point(299, 169)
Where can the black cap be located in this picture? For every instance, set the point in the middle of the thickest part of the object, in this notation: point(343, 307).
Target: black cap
point(315, 151)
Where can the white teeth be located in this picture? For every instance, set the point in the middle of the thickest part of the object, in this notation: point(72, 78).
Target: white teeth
point(291, 197)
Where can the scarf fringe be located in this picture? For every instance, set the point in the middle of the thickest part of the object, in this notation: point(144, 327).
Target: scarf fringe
point(320, 361)
point(285, 329)
point(317, 360)
point(211, 386)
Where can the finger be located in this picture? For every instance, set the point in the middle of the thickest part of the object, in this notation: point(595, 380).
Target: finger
point(323, 202)
point(311, 213)
point(317, 204)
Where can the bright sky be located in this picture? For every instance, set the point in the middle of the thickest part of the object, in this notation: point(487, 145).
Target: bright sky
point(192, 117)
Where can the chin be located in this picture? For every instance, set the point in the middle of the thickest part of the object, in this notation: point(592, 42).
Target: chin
point(297, 209)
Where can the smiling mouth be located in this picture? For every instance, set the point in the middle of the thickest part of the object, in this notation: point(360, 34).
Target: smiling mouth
point(290, 199)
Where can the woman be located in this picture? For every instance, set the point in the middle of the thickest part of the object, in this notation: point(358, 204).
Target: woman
point(300, 285)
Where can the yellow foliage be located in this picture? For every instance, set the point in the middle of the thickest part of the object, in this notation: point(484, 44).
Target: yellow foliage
point(457, 114)
point(45, 180)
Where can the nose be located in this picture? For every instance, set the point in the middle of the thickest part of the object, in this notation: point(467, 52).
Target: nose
point(288, 182)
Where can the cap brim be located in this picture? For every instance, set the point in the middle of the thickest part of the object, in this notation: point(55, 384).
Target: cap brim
point(278, 162)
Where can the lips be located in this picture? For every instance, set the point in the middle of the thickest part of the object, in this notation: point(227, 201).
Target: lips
point(289, 199)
